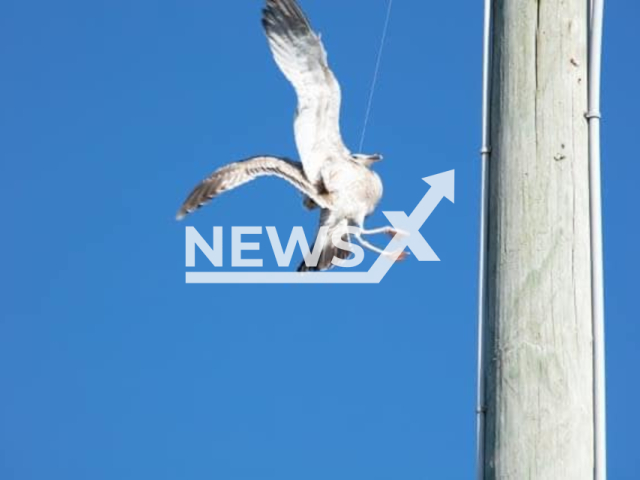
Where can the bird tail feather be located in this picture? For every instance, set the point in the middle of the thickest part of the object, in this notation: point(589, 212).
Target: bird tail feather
point(329, 250)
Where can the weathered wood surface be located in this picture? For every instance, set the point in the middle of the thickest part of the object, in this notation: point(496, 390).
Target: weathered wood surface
point(539, 422)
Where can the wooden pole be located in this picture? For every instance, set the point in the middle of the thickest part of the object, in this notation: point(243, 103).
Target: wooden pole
point(538, 334)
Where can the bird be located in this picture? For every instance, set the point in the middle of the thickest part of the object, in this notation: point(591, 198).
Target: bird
point(340, 183)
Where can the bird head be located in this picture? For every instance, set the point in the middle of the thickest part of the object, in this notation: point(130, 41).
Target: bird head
point(366, 160)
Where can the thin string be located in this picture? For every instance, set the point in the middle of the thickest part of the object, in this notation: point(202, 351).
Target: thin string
point(376, 73)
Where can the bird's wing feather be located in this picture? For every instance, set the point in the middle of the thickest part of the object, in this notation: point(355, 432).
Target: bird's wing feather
point(301, 56)
point(236, 174)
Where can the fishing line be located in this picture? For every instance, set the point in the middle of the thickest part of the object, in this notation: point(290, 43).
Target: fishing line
point(376, 73)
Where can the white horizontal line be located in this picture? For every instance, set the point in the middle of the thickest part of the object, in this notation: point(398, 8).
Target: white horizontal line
point(281, 277)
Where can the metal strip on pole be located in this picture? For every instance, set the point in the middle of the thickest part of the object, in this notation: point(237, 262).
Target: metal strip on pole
point(484, 219)
point(597, 270)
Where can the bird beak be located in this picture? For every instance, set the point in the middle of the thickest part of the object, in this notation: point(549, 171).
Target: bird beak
point(376, 158)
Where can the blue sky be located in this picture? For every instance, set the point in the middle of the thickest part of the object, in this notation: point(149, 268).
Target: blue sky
point(111, 367)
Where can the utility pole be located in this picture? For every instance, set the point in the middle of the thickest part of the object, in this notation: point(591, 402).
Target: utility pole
point(537, 380)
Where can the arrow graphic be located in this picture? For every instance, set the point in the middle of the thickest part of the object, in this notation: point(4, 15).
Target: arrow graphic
point(442, 186)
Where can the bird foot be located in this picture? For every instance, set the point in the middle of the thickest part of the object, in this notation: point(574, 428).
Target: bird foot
point(403, 256)
point(397, 255)
point(397, 233)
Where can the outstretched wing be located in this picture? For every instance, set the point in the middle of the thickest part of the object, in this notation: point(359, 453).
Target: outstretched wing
point(235, 174)
point(299, 53)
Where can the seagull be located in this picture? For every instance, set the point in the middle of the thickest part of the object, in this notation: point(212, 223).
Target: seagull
point(340, 183)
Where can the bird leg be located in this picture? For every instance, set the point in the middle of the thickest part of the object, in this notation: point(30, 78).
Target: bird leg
point(386, 231)
point(400, 254)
